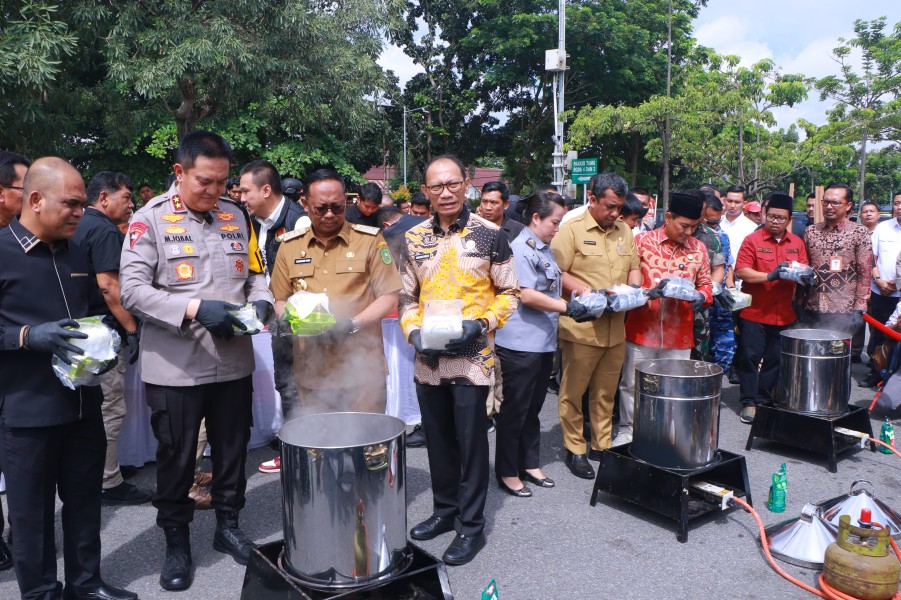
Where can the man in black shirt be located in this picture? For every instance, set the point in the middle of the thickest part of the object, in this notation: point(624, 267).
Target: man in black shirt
point(51, 437)
point(363, 212)
point(110, 204)
point(493, 207)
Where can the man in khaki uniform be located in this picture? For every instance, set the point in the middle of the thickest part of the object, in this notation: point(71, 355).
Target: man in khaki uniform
point(188, 261)
point(344, 368)
point(595, 251)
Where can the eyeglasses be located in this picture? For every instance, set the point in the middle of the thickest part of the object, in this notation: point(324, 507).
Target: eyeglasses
point(775, 219)
point(713, 221)
point(831, 202)
point(453, 187)
point(337, 209)
point(13, 187)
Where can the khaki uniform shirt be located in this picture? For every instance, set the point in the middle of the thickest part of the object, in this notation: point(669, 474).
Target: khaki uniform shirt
point(601, 258)
point(171, 255)
point(352, 269)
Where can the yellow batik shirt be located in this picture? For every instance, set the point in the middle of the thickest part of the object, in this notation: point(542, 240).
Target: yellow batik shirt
point(471, 262)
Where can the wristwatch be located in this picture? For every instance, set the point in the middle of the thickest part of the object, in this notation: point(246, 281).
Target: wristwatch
point(484, 324)
point(355, 326)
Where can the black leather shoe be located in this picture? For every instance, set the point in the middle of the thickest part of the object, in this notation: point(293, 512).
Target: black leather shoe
point(103, 592)
point(125, 493)
point(128, 471)
point(416, 439)
point(432, 528)
point(732, 376)
point(6, 557)
point(595, 454)
point(230, 539)
point(176, 574)
point(579, 466)
point(463, 549)
point(522, 492)
point(547, 482)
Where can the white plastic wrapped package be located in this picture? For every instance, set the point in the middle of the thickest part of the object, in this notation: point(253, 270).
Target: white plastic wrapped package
point(742, 300)
point(594, 301)
point(247, 314)
point(680, 288)
point(797, 271)
point(307, 314)
point(99, 349)
point(621, 298)
point(442, 321)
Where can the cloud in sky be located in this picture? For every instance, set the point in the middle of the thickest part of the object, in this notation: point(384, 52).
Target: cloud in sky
point(394, 59)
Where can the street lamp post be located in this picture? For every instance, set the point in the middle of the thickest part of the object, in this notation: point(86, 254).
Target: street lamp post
point(423, 109)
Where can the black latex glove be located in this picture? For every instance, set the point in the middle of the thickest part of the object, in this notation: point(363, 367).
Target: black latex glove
point(809, 279)
point(111, 365)
point(697, 305)
point(51, 337)
point(341, 329)
point(725, 300)
point(133, 341)
point(471, 331)
point(264, 310)
point(856, 320)
point(214, 316)
point(657, 291)
point(416, 342)
point(776, 273)
point(577, 311)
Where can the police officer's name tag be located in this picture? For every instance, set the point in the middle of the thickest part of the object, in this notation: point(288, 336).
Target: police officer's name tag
point(302, 261)
point(835, 264)
point(590, 242)
point(422, 256)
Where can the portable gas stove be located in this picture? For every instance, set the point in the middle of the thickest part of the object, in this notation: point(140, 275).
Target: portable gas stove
point(424, 579)
point(828, 435)
point(679, 494)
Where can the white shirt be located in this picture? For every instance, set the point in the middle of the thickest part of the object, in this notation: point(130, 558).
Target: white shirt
point(572, 214)
point(737, 231)
point(886, 246)
point(265, 225)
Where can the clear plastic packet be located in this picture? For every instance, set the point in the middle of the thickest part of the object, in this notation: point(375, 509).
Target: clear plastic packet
point(247, 314)
point(621, 298)
point(797, 272)
point(595, 301)
point(442, 321)
point(718, 288)
point(307, 314)
point(742, 300)
point(679, 288)
point(99, 349)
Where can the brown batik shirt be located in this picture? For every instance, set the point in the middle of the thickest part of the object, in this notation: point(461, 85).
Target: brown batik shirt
point(843, 259)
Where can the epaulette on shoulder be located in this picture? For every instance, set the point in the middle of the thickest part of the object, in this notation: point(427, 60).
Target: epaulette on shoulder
point(367, 229)
point(294, 234)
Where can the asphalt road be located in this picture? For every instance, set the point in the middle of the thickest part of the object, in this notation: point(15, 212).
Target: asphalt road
point(551, 546)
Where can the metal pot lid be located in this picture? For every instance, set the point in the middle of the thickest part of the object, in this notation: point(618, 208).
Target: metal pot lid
point(857, 499)
point(802, 541)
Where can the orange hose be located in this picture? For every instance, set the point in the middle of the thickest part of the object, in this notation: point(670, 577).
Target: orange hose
point(889, 446)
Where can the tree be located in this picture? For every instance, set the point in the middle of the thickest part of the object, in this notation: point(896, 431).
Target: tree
point(865, 99)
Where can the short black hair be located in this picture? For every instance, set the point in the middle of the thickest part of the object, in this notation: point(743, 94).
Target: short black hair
point(145, 185)
point(539, 203)
point(600, 183)
point(737, 189)
point(371, 192)
point(419, 199)
point(263, 172)
point(869, 203)
point(639, 191)
point(837, 185)
point(106, 181)
point(8, 162)
point(709, 186)
point(711, 200)
point(387, 214)
point(633, 206)
point(202, 143)
point(811, 196)
point(497, 186)
point(451, 157)
point(323, 175)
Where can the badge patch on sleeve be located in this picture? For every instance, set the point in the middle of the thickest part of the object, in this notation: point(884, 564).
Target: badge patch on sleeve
point(386, 256)
point(237, 246)
point(184, 271)
point(239, 265)
point(135, 231)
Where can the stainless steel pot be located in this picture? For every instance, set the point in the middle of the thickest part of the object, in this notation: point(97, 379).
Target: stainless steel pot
point(815, 374)
point(677, 413)
point(344, 499)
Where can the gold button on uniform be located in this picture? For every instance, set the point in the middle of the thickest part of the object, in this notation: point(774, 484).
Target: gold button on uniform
point(350, 268)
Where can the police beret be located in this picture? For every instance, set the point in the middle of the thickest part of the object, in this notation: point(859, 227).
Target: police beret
point(685, 205)
point(780, 200)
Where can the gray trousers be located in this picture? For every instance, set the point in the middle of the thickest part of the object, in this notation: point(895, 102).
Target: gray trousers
point(283, 361)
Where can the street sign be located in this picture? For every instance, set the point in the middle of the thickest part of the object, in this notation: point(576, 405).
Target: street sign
point(582, 169)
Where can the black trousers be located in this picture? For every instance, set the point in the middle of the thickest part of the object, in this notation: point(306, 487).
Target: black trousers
point(881, 308)
point(518, 427)
point(39, 463)
point(175, 416)
point(283, 362)
point(453, 417)
point(759, 341)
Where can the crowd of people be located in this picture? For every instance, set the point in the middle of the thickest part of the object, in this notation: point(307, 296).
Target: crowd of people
point(524, 271)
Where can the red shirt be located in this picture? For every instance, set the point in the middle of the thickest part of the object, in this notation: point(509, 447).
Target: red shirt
point(668, 323)
point(772, 301)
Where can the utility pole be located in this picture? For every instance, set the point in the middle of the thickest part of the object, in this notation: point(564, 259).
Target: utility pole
point(422, 108)
point(555, 62)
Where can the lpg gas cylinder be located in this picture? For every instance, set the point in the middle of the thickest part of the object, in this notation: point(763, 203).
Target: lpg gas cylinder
point(859, 563)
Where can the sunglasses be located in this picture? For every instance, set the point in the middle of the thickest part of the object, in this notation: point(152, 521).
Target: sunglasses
point(337, 209)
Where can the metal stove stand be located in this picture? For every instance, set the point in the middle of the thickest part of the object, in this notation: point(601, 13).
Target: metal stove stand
point(815, 433)
point(424, 579)
point(665, 491)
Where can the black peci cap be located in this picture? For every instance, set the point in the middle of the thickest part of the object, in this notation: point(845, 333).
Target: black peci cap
point(685, 205)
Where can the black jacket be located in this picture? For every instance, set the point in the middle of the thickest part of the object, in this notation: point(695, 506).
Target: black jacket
point(291, 211)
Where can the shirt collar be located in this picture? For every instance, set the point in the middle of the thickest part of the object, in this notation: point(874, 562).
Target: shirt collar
point(458, 225)
point(343, 235)
point(539, 245)
point(93, 211)
point(590, 223)
point(28, 241)
point(270, 221)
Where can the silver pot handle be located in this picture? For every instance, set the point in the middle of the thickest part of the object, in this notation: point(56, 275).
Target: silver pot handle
point(854, 484)
point(837, 347)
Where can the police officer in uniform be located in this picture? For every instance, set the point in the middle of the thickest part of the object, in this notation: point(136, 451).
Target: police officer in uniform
point(344, 368)
point(51, 438)
point(186, 263)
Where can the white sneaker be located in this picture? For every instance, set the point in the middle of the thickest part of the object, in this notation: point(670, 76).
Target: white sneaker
point(622, 439)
